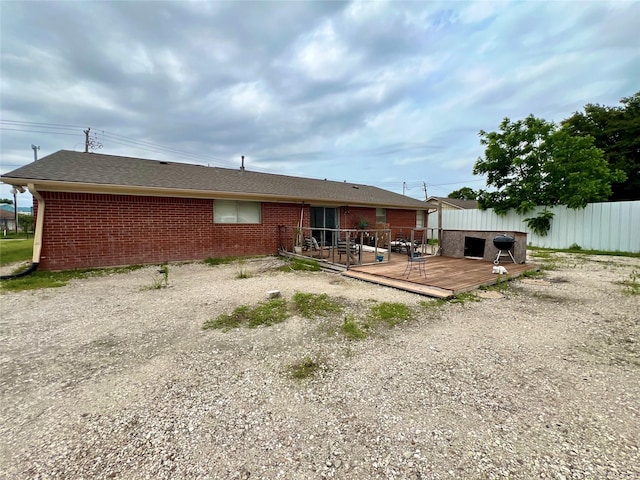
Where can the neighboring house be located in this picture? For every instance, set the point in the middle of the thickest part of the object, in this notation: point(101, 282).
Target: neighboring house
point(447, 204)
point(7, 221)
point(452, 203)
point(95, 210)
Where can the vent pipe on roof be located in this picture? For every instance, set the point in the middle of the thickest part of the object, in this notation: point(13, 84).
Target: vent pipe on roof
point(242, 165)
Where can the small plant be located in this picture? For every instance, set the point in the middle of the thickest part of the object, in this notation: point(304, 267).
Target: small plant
point(161, 280)
point(632, 284)
point(575, 247)
point(306, 368)
point(390, 313)
point(267, 313)
point(352, 330)
point(315, 305)
point(540, 224)
point(362, 223)
point(242, 272)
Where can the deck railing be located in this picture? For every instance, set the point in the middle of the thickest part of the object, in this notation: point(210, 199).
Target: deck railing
point(348, 246)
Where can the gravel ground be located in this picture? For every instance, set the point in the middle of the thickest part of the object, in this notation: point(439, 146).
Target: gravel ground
point(107, 378)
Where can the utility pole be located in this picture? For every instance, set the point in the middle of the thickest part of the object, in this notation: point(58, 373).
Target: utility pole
point(14, 190)
point(404, 187)
point(424, 185)
point(35, 151)
point(86, 140)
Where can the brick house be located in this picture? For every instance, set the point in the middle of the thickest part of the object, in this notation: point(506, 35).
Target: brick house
point(96, 210)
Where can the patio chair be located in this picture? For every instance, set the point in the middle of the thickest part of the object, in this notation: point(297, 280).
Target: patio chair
point(351, 251)
point(414, 258)
point(311, 245)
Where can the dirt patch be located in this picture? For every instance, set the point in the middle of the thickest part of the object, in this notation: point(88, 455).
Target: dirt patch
point(107, 378)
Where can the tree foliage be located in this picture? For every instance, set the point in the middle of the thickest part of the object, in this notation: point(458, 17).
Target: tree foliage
point(616, 131)
point(464, 193)
point(532, 162)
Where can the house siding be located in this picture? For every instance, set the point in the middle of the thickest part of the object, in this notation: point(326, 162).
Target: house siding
point(95, 230)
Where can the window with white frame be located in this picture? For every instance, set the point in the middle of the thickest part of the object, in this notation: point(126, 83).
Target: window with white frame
point(381, 215)
point(419, 218)
point(233, 211)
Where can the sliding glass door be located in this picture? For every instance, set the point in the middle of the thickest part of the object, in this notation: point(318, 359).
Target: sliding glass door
point(322, 218)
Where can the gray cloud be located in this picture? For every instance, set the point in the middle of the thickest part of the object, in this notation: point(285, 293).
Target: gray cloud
point(372, 92)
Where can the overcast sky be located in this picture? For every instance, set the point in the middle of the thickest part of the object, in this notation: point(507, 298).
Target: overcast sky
point(379, 93)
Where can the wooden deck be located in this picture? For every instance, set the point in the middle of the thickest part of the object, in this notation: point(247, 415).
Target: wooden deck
point(445, 277)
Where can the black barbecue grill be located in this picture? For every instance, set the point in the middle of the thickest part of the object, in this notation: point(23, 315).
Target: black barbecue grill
point(504, 243)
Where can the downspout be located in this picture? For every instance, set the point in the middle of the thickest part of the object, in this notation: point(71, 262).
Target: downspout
point(37, 238)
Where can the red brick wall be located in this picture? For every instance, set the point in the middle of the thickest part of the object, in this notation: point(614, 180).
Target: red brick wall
point(401, 222)
point(87, 230)
point(351, 217)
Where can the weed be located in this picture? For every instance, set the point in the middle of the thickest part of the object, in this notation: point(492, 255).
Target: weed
point(301, 264)
point(632, 284)
point(313, 305)
point(242, 273)
point(465, 297)
point(267, 313)
point(352, 330)
point(390, 313)
point(161, 280)
point(433, 304)
point(575, 247)
point(307, 367)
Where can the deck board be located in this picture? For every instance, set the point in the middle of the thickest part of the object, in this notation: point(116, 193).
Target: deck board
point(445, 277)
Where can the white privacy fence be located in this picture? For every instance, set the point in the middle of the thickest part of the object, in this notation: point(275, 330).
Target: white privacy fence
point(599, 226)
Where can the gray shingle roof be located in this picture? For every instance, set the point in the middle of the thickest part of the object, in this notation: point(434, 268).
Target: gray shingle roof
point(93, 169)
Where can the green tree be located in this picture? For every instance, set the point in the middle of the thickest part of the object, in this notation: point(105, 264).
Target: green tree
point(616, 131)
point(26, 222)
point(6, 200)
point(533, 162)
point(464, 193)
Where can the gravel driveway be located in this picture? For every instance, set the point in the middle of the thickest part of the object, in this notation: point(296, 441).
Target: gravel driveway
point(107, 378)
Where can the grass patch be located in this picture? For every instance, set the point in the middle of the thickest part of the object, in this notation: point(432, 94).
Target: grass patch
point(301, 264)
point(311, 305)
point(43, 279)
point(221, 260)
point(533, 274)
point(389, 313)
point(13, 251)
point(541, 252)
point(306, 368)
point(267, 313)
point(352, 330)
point(463, 298)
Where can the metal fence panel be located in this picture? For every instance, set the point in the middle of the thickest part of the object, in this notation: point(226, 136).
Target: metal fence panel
point(611, 226)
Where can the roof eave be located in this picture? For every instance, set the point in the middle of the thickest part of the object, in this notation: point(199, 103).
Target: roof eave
point(97, 188)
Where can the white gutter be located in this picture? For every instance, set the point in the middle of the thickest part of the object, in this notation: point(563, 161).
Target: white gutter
point(37, 237)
